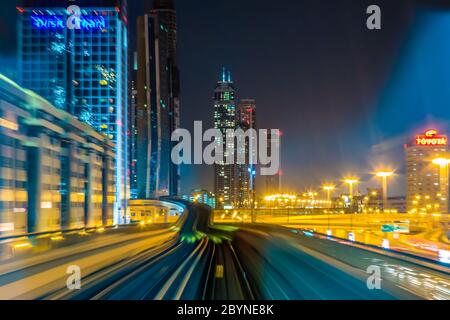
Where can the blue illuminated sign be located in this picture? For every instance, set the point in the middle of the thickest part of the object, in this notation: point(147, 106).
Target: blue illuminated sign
point(57, 22)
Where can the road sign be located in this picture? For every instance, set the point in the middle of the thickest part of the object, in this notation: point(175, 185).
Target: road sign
point(387, 228)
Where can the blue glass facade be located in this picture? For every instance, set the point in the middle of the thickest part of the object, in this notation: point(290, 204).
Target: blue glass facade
point(83, 71)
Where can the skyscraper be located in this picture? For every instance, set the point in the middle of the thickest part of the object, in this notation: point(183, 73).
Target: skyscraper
point(82, 69)
point(225, 118)
point(158, 101)
point(246, 173)
point(133, 131)
point(425, 194)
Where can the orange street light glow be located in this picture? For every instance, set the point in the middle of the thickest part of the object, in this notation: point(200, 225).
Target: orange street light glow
point(384, 174)
point(441, 161)
point(22, 245)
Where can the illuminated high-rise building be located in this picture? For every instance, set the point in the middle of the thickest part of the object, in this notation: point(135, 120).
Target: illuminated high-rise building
point(201, 196)
point(246, 173)
point(132, 125)
point(57, 172)
point(425, 194)
point(158, 101)
point(224, 119)
point(81, 67)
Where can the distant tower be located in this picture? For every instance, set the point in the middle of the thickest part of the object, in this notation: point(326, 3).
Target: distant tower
point(246, 173)
point(132, 125)
point(225, 118)
point(165, 9)
point(158, 101)
point(427, 184)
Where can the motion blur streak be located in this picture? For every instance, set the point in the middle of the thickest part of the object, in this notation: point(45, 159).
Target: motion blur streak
point(199, 260)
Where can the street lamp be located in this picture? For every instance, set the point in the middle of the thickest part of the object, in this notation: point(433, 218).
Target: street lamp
point(384, 175)
point(351, 182)
point(328, 188)
point(443, 181)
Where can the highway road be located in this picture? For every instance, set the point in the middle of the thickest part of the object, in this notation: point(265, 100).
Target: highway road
point(290, 264)
point(197, 260)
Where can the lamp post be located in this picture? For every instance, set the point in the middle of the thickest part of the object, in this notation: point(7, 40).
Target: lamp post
point(351, 182)
point(328, 188)
point(384, 175)
point(443, 182)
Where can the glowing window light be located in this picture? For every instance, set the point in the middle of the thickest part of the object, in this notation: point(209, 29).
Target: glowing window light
point(6, 227)
point(46, 205)
point(8, 124)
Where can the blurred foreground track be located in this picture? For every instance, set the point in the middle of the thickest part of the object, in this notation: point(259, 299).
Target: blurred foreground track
point(196, 260)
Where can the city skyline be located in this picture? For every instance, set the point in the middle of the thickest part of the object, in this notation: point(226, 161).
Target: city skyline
point(383, 61)
point(224, 151)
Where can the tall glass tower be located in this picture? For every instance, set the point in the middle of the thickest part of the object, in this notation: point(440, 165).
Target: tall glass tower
point(157, 101)
point(81, 69)
point(246, 173)
point(225, 118)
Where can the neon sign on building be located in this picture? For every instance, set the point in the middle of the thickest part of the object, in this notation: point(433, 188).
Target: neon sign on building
point(431, 138)
point(58, 22)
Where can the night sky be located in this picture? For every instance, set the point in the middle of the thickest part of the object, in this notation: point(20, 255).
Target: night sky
point(345, 97)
